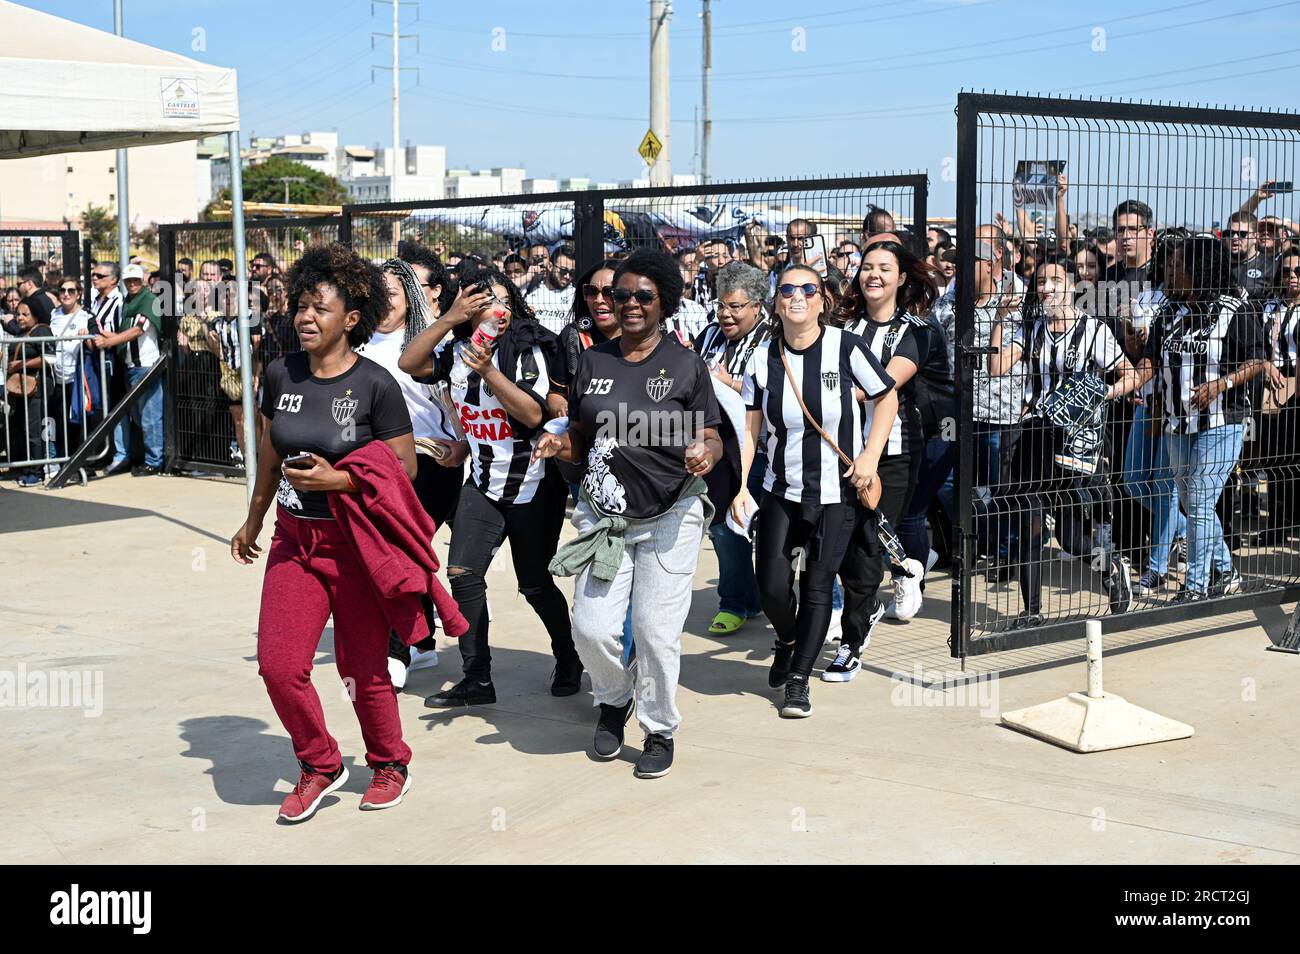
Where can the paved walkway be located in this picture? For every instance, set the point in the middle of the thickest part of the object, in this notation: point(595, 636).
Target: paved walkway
point(131, 579)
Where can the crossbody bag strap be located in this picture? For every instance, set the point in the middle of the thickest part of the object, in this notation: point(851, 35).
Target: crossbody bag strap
point(789, 376)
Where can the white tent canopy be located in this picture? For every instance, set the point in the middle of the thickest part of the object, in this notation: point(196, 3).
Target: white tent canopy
point(92, 90)
point(76, 89)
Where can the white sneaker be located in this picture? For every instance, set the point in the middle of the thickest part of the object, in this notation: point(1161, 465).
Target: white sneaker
point(844, 667)
point(422, 659)
point(396, 672)
point(835, 629)
point(907, 592)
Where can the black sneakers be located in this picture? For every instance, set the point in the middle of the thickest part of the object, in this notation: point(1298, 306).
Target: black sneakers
point(1119, 587)
point(568, 677)
point(1027, 621)
point(656, 758)
point(780, 671)
point(467, 692)
point(609, 730)
point(798, 700)
point(1224, 584)
point(846, 666)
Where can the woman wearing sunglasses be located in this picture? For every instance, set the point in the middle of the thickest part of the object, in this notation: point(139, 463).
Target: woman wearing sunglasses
point(70, 319)
point(886, 305)
point(644, 418)
point(812, 386)
point(500, 395)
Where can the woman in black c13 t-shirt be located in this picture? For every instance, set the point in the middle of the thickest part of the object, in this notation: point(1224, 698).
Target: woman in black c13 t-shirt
point(643, 415)
point(326, 401)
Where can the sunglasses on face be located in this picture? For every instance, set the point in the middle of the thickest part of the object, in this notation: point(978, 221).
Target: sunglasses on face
point(1290, 271)
point(97, 275)
point(564, 272)
point(787, 291)
point(622, 296)
point(1238, 233)
point(594, 291)
point(67, 291)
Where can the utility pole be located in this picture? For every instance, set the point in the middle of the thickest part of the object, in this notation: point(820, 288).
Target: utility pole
point(398, 37)
point(286, 180)
point(661, 11)
point(123, 206)
point(706, 136)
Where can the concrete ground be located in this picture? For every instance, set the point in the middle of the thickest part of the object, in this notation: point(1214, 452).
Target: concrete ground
point(129, 580)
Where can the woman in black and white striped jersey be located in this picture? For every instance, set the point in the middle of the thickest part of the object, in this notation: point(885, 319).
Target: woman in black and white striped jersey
point(500, 396)
point(1205, 346)
point(1061, 348)
point(1280, 422)
point(810, 501)
point(886, 306)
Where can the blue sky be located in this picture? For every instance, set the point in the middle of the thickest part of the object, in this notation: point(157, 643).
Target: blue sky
point(836, 88)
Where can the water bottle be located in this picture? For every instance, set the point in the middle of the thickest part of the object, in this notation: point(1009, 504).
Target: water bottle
point(484, 339)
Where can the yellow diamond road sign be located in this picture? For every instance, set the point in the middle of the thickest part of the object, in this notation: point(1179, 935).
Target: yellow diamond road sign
point(650, 147)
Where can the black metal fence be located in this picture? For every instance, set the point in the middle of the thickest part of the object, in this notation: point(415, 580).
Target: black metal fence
point(54, 248)
point(1126, 325)
point(740, 220)
point(203, 411)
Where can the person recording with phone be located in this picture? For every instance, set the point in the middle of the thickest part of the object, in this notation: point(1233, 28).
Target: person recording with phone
point(498, 367)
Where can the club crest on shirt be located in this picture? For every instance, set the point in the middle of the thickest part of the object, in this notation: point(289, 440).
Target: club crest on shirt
point(344, 408)
point(659, 386)
point(831, 380)
point(891, 337)
point(1071, 356)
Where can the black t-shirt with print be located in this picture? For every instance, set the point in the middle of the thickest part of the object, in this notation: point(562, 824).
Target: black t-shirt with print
point(1255, 275)
point(637, 419)
point(328, 416)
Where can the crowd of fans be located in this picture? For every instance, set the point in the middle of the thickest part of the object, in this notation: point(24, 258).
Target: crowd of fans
point(1144, 487)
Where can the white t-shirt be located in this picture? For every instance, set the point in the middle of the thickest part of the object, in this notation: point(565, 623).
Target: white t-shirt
point(427, 416)
point(551, 308)
point(67, 353)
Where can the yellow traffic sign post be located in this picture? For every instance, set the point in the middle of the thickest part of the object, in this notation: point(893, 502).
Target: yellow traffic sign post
point(650, 147)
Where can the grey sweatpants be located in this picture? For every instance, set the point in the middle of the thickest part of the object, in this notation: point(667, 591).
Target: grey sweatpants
point(657, 573)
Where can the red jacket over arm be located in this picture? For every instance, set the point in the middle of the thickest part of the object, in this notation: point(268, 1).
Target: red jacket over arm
point(393, 537)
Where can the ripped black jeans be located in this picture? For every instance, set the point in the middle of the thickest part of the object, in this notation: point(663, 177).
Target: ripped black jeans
point(533, 529)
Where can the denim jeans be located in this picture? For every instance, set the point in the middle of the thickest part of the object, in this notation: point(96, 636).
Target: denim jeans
point(936, 466)
point(995, 533)
point(1148, 480)
point(737, 584)
point(149, 412)
point(1201, 464)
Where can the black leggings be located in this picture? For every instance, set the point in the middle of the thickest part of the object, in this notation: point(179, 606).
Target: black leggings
point(823, 532)
point(533, 530)
point(864, 564)
point(1037, 482)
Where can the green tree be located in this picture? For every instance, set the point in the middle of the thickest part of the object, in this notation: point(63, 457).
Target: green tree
point(265, 182)
point(99, 225)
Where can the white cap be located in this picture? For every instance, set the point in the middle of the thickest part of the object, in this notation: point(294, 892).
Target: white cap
point(133, 271)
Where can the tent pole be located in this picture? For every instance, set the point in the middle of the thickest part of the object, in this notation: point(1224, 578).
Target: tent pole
point(123, 206)
point(241, 284)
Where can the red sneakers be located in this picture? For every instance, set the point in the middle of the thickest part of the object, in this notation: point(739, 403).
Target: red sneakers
point(306, 796)
point(389, 784)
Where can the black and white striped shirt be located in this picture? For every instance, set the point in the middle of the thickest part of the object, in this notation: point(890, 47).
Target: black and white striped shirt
point(105, 312)
point(712, 345)
point(1194, 343)
point(903, 336)
point(1051, 358)
point(1282, 330)
point(500, 447)
point(801, 466)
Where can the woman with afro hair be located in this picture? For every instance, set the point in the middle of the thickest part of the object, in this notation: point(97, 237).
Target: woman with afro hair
point(318, 405)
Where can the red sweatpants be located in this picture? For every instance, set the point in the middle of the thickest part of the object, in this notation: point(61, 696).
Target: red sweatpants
point(312, 571)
